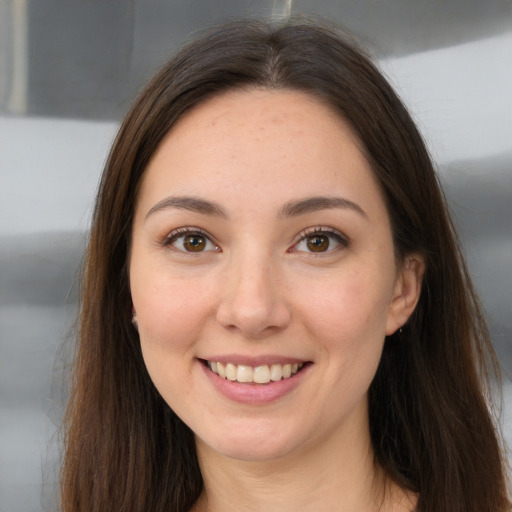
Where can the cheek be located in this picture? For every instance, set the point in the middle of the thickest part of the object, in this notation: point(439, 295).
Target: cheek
point(347, 317)
point(171, 311)
point(351, 302)
point(171, 315)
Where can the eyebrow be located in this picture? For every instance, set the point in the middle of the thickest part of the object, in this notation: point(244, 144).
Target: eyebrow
point(290, 209)
point(192, 204)
point(313, 204)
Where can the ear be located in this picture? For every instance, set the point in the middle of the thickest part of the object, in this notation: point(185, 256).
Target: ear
point(406, 292)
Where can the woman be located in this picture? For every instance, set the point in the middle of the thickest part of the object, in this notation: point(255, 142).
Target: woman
point(275, 313)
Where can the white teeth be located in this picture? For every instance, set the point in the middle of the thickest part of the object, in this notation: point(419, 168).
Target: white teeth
point(244, 373)
point(221, 370)
point(230, 371)
point(276, 372)
point(259, 374)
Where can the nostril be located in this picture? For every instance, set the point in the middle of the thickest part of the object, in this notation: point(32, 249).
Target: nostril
point(254, 316)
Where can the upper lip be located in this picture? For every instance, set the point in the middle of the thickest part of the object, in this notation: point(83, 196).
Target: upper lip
point(254, 361)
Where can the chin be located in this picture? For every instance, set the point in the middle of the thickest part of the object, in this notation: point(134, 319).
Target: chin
point(251, 445)
point(252, 453)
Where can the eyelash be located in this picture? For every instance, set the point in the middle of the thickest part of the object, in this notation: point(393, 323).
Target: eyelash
point(331, 233)
point(176, 234)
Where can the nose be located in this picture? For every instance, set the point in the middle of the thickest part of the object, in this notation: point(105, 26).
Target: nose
point(252, 300)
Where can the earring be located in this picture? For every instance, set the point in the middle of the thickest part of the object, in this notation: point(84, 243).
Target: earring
point(135, 323)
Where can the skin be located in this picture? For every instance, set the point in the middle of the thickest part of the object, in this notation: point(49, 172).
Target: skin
point(256, 289)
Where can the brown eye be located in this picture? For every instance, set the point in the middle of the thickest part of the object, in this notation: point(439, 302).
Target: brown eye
point(320, 240)
point(191, 241)
point(317, 243)
point(194, 243)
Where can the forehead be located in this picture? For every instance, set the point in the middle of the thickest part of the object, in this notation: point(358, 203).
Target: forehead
point(261, 113)
point(265, 144)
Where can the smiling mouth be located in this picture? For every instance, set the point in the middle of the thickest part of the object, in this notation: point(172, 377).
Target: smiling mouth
point(254, 374)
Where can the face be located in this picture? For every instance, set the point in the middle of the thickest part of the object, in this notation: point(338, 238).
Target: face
point(263, 274)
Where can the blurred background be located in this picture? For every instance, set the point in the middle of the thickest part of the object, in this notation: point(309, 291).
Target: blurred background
point(68, 71)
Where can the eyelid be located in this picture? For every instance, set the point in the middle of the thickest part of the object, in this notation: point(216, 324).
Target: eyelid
point(341, 238)
point(188, 230)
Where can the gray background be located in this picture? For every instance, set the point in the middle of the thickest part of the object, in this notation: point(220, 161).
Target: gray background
point(68, 70)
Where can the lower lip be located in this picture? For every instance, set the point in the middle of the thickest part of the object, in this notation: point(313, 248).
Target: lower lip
point(255, 394)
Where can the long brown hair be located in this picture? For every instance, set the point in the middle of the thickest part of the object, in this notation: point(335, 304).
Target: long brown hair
point(430, 423)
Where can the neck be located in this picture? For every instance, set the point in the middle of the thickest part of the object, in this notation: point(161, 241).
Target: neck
point(339, 474)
